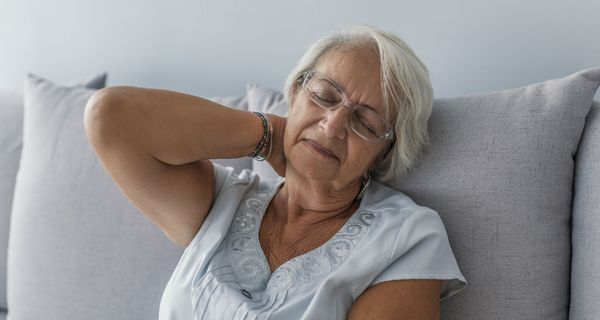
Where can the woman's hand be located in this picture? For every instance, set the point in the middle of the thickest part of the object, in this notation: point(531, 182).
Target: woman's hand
point(277, 158)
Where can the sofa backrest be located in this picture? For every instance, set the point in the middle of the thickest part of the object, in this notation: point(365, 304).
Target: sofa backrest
point(585, 220)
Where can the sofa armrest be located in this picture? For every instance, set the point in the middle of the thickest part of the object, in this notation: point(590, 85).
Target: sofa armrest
point(585, 233)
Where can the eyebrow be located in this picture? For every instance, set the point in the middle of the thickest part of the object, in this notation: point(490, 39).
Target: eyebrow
point(341, 89)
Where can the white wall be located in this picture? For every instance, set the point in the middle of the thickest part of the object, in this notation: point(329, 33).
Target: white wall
point(215, 47)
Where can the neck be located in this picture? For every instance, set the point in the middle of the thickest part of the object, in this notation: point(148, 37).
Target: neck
point(305, 203)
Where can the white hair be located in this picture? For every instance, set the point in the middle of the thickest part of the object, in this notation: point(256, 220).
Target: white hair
point(407, 92)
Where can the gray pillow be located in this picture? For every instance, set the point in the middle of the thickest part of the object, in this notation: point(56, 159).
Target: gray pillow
point(11, 122)
point(499, 172)
point(78, 248)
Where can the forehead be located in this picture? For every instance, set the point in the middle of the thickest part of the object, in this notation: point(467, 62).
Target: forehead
point(356, 72)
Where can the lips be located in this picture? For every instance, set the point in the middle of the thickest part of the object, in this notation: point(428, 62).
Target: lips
point(319, 148)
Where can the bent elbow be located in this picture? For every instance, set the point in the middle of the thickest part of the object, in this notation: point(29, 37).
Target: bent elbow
point(100, 109)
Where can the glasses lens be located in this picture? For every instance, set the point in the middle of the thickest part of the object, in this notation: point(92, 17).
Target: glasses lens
point(323, 92)
point(368, 123)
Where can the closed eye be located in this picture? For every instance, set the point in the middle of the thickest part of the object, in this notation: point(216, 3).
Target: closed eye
point(367, 127)
point(323, 100)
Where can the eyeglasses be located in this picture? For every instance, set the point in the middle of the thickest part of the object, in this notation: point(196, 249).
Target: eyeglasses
point(365, 121)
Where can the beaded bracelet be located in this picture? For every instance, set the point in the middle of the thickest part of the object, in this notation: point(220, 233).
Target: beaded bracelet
point(260, 156)
point(266, 138)
point(270, 140)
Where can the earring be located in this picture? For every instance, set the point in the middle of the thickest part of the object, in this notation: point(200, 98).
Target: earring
point(365, 186)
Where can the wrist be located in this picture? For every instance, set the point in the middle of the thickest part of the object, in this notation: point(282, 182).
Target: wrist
point(264, 147)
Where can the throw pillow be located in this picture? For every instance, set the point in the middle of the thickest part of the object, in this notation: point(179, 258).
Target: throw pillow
point(78, 248)
point(11, 122)
point(500, 174)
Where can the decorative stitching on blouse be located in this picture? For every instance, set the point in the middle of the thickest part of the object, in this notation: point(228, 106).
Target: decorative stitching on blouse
point(251, 266)
point(324, 259)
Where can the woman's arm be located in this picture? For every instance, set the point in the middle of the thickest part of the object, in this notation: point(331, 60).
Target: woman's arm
point(155, 144)
point(399, 299)
point(175, 128)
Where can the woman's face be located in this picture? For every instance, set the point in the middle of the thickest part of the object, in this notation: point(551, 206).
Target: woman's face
point(356, 71)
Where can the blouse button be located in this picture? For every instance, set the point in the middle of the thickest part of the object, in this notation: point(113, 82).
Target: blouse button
point(246, 293)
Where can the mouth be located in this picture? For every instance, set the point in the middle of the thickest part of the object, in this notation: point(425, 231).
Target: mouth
point(313, 145)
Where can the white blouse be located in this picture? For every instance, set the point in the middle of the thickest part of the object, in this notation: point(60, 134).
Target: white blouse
point(224, 274)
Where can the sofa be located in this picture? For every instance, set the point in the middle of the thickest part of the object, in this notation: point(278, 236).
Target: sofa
point(514, 174)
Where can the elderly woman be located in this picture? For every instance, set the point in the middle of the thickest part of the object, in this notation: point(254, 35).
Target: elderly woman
point(327, 239)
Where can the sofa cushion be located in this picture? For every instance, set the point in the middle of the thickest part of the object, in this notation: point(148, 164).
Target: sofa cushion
point(78, 248)
point(11, 122)
point(499, 171)
point(585, 236)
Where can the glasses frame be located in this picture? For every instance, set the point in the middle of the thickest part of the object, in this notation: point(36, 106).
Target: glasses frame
point(306, 76)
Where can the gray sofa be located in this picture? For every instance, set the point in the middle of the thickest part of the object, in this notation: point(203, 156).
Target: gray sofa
point(514, 174)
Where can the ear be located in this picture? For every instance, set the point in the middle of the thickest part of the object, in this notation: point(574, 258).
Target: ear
point(383, 154)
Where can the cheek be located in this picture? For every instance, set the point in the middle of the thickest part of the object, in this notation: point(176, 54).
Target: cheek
point(299, 119)
point(287, 140)
point(362, 156)
point(292, 131)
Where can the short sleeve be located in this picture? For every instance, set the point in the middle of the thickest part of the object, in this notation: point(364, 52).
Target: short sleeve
point(225, 177)
point(422, 251)
point(230, 186)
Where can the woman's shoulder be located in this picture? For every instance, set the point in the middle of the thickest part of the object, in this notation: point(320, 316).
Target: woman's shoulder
point(380, 197)
point(394, 208)
point(411, 241)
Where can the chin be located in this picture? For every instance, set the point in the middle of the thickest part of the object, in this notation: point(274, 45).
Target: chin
point(310, 167)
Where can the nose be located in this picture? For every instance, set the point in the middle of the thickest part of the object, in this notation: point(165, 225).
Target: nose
point(335, 122)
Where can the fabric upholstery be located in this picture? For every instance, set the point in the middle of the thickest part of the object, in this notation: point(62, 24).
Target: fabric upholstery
point(11, 124)
point(585, 237)
point(500, 171)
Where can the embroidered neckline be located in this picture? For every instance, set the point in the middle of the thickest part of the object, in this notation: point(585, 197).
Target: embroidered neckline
point(251, 265)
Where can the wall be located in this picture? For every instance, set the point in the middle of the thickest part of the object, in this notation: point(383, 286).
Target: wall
point(215, 47)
